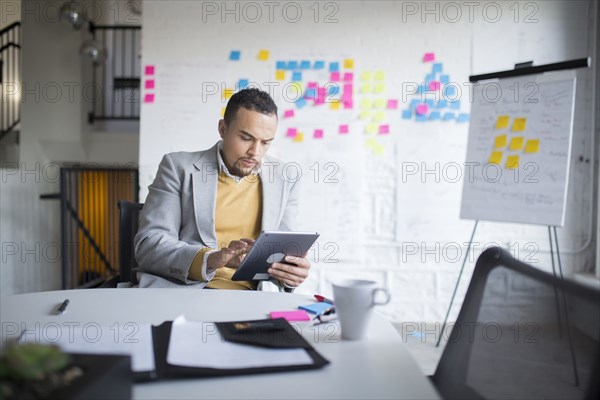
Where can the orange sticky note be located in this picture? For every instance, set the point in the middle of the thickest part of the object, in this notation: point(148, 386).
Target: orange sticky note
point(496, 157)
point(519, 124)
point(532, 146)
point(502, 122)
point(263, 55)
point(349, 63)
point(512, 162)
point(500, 141)
point(516, 143)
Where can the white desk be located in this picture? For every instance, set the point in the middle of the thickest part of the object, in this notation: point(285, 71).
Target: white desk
point(377, 367)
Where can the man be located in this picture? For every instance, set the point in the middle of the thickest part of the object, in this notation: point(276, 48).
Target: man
point(204, 209)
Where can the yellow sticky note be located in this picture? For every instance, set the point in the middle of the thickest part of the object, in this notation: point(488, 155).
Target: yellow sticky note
point(500, 141)
point(379, 88)
point(519, 124)
point(366, 104)
point(364, 115)
point(366, 76)
point(379, 103)
point(502, 122)
point(366, 88)
point(280, 75)
point(371, 129)
point(512, 162)
point(532, 146)
point(516, 143)
point(379, 75)
point(222, 111)
point(371, 142)
point(379, 116)
point(263, 55)
point(334, 105)
point(378, 149)
point(227, 93)
point(349, 63)
point(299, 137)
point(496, 157)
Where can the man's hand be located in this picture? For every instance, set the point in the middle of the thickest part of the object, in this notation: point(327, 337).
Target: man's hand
point(230, 256)
point(292, 272)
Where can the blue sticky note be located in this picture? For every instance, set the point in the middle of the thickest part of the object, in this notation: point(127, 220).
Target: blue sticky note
point(243, 83)
point(305, 64)
point(292, 65)
point(448, 116)
point(434, 116)
point(445, 79)
point(333, 90)
point(414, 103)
point(297, 76)
point(300, 102)
point(437, 68)
point(334, 66)
point(421, 118)
point(421, 88)
point(430, 103)
point(428, 79)
point(455, 105)
point(310, 93)
point(449, 91)
point(281, 65)
point(442, 104)
point(463, 118)
point(316, 308)
point(406, 114)
point(319, 64)
point(235, 55)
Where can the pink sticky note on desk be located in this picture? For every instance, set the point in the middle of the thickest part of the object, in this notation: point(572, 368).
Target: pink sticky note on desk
point(296, 315)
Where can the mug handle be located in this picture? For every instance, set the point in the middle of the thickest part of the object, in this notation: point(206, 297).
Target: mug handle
point(387, 296)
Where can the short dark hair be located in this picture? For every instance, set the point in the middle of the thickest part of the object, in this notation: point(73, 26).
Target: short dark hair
point(252, 99)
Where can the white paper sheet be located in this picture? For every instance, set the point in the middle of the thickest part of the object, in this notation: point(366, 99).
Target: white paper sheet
point(128, 338)
point(199, 344)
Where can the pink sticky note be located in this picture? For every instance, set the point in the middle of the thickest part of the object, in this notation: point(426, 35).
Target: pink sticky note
point(149, 84)
point(422, 109)
point(291, 132)
point(312, 85)
point(318, 134)
point(296, 315)
point(384, 129)
point(335, 77)
point(429, 57)
point(348, 76)
point(434, 85)
point(321, 94)
point(149, 70)
point(149, 98)
point(392, 104)
point(343, 129)
point(348, 103)
point(288, 114)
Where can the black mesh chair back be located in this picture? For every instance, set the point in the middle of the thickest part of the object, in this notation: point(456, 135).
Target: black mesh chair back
point(522, 333)
point(128, 226)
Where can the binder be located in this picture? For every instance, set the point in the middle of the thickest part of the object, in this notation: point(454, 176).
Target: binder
point(163, 370)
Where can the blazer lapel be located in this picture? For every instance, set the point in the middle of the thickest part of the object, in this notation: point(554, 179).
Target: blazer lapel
point(204, 188)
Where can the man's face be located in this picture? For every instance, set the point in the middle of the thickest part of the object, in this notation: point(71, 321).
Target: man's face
point(246, 140)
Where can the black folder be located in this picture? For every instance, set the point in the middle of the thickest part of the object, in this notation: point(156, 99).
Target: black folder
point(278, 332)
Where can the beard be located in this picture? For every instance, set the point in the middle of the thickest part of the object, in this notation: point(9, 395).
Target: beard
point(241, 169)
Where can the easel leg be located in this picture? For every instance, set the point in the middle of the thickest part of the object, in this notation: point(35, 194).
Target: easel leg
point(555, 291)
point(457, 283)
point(569, 332)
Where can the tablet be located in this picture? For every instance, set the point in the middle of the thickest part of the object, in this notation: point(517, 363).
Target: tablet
point(272, 247)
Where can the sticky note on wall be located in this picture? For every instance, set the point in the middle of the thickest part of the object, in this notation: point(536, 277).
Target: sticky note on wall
point(263, 55)
point(516, 143)
point(495, 158)
point(502, 122)
point(500, 141)
point(532, 146)
point(512, 162)
point(519, 124)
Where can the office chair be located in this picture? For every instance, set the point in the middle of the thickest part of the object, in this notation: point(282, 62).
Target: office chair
point(522, 334)
point(128, 227)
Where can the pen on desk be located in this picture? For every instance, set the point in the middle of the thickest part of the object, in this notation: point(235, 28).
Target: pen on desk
point(323, 299)
point(62, 307)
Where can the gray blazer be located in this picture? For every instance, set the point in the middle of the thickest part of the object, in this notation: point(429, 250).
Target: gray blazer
point(178, 217)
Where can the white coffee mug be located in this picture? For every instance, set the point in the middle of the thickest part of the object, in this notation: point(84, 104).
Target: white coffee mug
point(354, 300)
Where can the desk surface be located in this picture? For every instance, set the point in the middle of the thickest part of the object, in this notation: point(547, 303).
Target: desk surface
point(377, 367)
